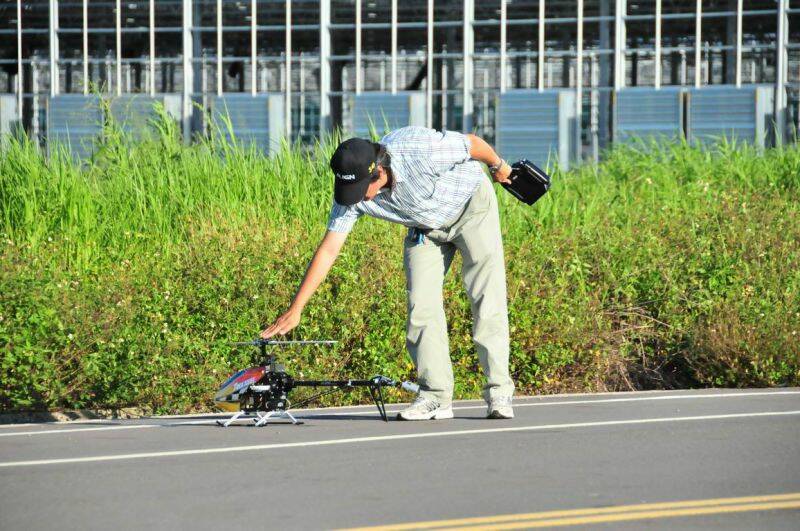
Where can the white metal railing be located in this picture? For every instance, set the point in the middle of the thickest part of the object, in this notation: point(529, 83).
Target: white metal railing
point(500, 68)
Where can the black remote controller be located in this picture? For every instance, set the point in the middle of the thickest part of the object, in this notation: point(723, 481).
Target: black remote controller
point(528, 182)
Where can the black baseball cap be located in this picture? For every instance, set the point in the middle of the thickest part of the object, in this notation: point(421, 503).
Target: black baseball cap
point(353, 164)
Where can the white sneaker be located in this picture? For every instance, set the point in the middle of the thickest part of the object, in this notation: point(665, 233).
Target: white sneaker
point(425, 409)
point(500, 408)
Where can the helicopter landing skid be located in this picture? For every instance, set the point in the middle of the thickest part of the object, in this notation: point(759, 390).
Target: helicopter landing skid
point(260, 418)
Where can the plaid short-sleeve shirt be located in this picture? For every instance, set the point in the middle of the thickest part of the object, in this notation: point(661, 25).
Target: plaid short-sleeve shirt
point(434, 177)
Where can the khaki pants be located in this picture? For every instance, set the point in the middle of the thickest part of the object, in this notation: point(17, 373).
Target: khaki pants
point(476, 234)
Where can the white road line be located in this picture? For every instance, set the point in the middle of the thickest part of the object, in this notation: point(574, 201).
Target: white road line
point(602, 401)
point(390, 412)
point(642, 398)
point(355, 440)
point(75, 430)
point(370, 406)
point(56, 423)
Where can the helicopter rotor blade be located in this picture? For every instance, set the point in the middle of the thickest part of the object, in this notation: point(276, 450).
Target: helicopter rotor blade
point(271, 342)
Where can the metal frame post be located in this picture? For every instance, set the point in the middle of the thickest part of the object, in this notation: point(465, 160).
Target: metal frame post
point(394, 46)
point(604, 75)
point(35, 98)
point(54, 51)
point(118, 45)
point(657, 59)
point(485, 94)
point(698, 21)
point(443, 77)
point(579, 81)
point(429, 76)
point(152, 36)
point(188, 69)
point(469, 73)
point(324, 67)
point(619, 43)
point(302, 119)
point(594, 111)
point(85, 45)
point(19, 59)
point(739, 10)
point(684, 68)
point(358, 47)
point(528, 76)
point(781, 70)
point(383, 72)
point(503, 35)
point(288, 87)
point(540, 65)
point(219, 48)
point(253, 47)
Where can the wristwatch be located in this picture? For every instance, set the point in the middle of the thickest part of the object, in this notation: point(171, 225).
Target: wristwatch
point(495, 168)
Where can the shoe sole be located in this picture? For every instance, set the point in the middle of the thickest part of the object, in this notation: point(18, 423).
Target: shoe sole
point(439, 414)
point(498, 415)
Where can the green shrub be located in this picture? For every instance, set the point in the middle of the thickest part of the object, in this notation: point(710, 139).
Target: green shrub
point(124, 279)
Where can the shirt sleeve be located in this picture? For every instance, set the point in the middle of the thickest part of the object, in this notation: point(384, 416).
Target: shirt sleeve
point(342, 218)
point(449, 148)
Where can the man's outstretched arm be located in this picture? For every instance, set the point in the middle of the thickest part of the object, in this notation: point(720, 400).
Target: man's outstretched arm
point(321, 263)
point(482, 151)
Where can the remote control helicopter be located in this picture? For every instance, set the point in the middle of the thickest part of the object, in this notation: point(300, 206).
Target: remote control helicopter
point(262, 393)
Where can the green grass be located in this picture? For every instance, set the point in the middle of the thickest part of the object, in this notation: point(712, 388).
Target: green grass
point(123, 279)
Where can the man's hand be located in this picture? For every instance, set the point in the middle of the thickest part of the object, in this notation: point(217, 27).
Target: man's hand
point(480, 150)
point(502, 175)
point(282, 324)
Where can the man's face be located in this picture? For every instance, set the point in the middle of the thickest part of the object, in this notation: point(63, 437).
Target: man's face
point(376, 184)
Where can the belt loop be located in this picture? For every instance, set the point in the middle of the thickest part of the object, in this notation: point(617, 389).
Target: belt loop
point(417, 235)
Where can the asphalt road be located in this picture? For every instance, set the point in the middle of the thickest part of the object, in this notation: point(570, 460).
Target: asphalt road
point(720, 459)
